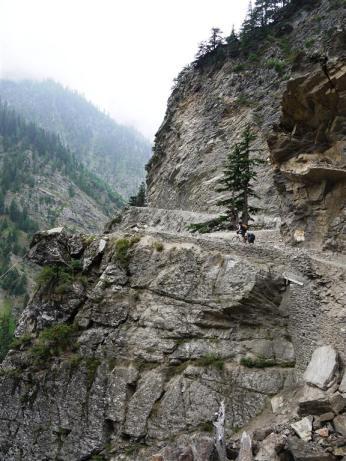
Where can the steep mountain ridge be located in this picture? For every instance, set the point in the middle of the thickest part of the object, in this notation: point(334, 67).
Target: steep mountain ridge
point(114, 152)
point(210, 107)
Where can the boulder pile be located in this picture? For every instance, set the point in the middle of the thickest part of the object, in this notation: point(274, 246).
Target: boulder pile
point(316, 429)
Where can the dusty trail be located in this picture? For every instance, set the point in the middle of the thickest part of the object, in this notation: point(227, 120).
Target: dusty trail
point(268, 243)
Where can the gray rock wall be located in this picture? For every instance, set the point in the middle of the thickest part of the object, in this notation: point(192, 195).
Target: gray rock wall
point(209, 109)
point(161, 334)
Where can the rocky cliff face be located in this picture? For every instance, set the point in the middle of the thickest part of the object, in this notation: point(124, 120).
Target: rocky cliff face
point(309, 154)
point(132, 355)
point(49, 203)
point(283, 92)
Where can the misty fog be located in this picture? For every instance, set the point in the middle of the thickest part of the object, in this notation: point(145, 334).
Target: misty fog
point(123, 56)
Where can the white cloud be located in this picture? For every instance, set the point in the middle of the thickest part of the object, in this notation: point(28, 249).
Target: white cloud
point(122, 55)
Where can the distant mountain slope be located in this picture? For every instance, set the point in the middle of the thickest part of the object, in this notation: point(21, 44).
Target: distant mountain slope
point(116, 153)
point(42, 185)
point(37, 169)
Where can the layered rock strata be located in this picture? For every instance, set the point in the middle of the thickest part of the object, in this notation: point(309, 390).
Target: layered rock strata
point(309, 153)
point(134, 353)
point(303, 178)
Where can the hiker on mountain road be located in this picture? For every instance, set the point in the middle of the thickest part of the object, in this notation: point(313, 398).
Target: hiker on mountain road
point(242, 230)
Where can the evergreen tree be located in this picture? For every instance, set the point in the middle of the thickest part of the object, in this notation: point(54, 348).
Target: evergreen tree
point(2, 202)
point(265, 11)
point(261, 13)
point(233, 43)
point(249, 22)
point(237, 182)
point(21, 286)
point(14, 211)
point(139, 199)
point(238, 179)
point(258, 18)
point(215, 40)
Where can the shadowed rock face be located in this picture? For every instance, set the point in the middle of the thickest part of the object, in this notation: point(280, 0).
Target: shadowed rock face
point(309, 152)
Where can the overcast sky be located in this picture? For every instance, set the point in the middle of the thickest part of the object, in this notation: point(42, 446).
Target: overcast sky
point(121, 54)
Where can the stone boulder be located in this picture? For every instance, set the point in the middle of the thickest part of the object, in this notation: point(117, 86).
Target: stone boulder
point(316, 402)
point(303, 451)
point(245, 452)
point(76, 245)
point(322, 367)
point(340, 424)
point(303, 428)
point(342, 387)
point(270, 447)
point(93, 253)
point(50, 247)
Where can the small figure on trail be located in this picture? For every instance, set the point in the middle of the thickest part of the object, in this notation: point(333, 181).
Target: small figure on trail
point(242, 230)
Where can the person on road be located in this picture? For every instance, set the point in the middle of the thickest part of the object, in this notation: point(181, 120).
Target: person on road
point(242, 230)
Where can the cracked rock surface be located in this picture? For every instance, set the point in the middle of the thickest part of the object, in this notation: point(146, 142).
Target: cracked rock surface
point(156, 337)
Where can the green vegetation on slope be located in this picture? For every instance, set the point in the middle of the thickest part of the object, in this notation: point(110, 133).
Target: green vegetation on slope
point(19, 135)
point(114, 152)
point(11, 243)
point(7, 326)
point(28, 155)
point(260, 22)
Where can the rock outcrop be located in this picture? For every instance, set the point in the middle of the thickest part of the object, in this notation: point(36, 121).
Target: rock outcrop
point(159, 338)
point(130, 344)
point(310, 157)
point(303, 180)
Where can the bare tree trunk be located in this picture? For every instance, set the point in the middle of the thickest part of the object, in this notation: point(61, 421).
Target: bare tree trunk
point(220, 433)
point(245, 215)
point(233, 218)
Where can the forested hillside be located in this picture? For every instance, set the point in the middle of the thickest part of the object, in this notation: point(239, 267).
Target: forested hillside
point(42, 185)
point(116, 153)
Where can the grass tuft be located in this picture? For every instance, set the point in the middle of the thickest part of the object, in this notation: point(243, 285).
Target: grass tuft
point(59, 279)
point(207, 426)
point(243, 100)
point(21, 341)
point(92, 365)
point(158, 246)
point(122, 247)
point(260, 362)
point(52, 342)
point(210, 360)
point(277, 65)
